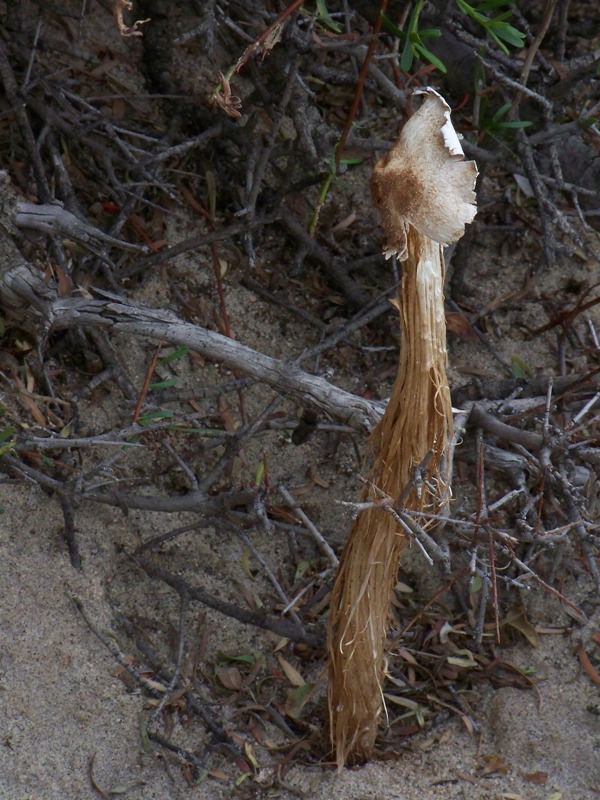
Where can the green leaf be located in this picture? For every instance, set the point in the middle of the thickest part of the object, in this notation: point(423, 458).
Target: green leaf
point(496, 27)
point(519, 368)
point(411, 38)
point(244, 658)
point(430, 33)
point(472, 12)
point(178, 353)
point(499, 42)
point(155, 416)
point(302, 569)
point(260, 473)
point(489, 5)
point(428, 56)
point(390, 27)
point(326, 18)
point(166, 384)
point(199, 431)
point(407, 56)
point(525, 123)
point(501, 112)
point(413, 24)
point(7, 433)
point(501, 17)
point(496, 123)
point(508, 33)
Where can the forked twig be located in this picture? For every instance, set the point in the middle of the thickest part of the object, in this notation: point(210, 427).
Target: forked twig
point(260, 619)
point(321, 542)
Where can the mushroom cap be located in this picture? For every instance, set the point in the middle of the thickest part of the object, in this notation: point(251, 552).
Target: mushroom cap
point(424, 180)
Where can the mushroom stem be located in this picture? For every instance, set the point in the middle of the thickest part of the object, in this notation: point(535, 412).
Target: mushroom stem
point(424, 190)
point(415, 428)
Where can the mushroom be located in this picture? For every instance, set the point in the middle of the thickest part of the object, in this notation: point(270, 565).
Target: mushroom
point(424, 190)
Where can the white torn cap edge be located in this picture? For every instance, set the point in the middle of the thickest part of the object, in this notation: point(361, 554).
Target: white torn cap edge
point(451, 137)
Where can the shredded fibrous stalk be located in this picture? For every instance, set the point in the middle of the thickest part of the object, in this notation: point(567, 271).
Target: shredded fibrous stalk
point(415, 429)
point(423, 189)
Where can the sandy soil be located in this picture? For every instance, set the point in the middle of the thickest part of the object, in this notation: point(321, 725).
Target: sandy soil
point(62, 705)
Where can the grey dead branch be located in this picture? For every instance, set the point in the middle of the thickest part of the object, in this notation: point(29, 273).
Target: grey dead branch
point(24, 291)
point(22, 285)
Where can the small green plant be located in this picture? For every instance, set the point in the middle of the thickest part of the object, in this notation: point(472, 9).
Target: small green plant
point(495, 124)
point(496, 27)
point(325, 187)
point(414, 39)
point(170, 357)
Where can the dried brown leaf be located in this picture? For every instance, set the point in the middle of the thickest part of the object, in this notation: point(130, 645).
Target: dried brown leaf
point(517, 619)
point(457, 323)
point(226, 415)
point(227, 101)
point(406, 656)
point(587, 664)
point(463, 658)
point(218, 774)
point(127, 30)
point(230, 678)
point(536, 777)
point(297, 699)
point(493, 763)
point(315, 478)
point(291, 673)
point(467, 722)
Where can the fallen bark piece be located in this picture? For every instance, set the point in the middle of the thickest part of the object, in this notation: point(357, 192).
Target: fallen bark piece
point(424, 190)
